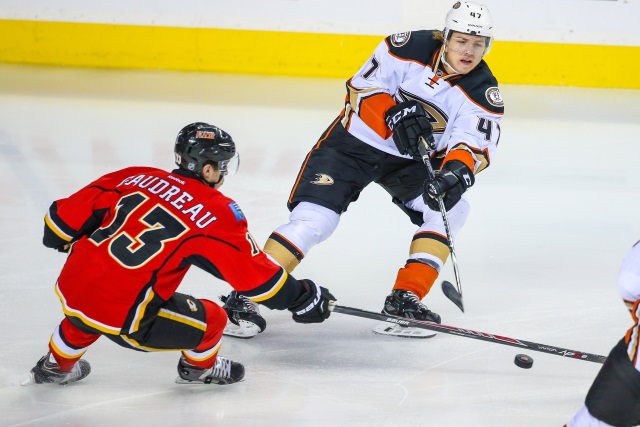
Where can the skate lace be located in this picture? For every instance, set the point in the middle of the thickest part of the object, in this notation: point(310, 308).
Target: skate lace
point(413, 302)
point(239, 303)
point(248, 304)
point(222, 368)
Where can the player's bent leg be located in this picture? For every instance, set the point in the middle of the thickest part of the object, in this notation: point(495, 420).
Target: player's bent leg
point(428, 252)
point(309, 224)
point(245, 320)
point(203, 364)
point(457, 216)
point(62, 364)
point(614, 396)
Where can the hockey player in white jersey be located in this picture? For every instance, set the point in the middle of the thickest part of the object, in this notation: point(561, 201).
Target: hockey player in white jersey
point(427, 84)
point(614, 396)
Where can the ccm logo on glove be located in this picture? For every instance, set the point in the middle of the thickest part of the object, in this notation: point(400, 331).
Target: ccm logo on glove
point(410, 126)
point(396, 113)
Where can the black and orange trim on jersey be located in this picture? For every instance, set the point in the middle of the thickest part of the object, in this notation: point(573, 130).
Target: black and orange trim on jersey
point(419, 48)
point(323, 137)
point(632, 337)
point(469, 156)
point(371, 110)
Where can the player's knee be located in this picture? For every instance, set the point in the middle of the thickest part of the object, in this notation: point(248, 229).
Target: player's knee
point(216, 319)
point(313, 223)
point(457, 216)
point(614, 396)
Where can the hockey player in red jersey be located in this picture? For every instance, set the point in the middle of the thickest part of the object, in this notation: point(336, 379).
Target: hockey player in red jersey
point(431, 85)
point(614, 396)
point(132, 235)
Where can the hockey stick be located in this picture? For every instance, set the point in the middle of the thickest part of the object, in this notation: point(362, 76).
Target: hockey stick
point(454, 294)
point(467, 333)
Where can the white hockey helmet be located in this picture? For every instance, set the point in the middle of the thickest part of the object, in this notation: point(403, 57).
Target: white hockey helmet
point(469, 18)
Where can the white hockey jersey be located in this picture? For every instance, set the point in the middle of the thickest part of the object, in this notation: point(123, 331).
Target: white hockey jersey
point(465, 110)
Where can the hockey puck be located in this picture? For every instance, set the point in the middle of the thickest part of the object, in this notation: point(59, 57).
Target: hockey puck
point(523, 361)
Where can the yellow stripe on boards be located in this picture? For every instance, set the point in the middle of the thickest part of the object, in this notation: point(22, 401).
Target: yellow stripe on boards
point(288, 53)
point(189, 49)
point(557, 64)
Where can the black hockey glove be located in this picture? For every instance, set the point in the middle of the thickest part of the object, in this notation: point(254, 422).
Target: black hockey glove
point(313, 305)
point(450, 182)
point(408, 121)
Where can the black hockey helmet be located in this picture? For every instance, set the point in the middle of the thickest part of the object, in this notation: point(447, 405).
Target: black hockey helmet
point(199, 143)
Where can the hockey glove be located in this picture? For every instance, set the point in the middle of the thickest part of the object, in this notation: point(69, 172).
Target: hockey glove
point(450, 182)
point(409, 123)
point(313, 305)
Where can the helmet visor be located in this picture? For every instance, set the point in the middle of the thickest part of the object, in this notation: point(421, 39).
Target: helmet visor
point(230, 167)
point(469, 45)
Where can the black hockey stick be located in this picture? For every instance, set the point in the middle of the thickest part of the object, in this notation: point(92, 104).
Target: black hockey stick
point(467, 333)
point(454, 294)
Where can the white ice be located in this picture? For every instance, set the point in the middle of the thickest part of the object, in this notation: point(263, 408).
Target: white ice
point(550, 223)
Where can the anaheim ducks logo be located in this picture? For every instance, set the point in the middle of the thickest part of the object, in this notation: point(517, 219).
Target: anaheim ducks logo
point(322, 179)
point(494, 97)
point(400, 39)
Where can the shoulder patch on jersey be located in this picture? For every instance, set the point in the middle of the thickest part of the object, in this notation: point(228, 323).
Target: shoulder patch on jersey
point(494, 97)
point(416, 46)
point(399, 39)
point(236, 211)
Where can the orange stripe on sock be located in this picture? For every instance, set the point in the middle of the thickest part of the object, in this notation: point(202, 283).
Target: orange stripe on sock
point(417, 278)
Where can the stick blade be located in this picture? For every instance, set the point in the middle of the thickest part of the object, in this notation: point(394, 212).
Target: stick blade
point(450, 292)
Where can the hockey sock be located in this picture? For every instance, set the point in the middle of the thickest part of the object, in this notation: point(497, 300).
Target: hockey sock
point(416, 277)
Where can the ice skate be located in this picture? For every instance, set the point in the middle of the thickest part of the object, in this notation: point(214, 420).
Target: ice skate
point(47, 370)
point(245, 320)
point(225, 371)
point(406, 304)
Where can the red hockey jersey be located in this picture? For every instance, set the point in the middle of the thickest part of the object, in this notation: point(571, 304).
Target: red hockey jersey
point(134, 235)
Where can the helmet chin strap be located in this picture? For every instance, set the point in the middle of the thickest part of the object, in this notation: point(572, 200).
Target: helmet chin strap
point(444, 61)
point(212, 184)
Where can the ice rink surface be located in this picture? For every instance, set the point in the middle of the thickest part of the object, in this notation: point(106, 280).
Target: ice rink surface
point(551, 220)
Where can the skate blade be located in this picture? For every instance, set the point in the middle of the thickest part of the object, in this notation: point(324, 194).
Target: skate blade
point(245, 330)
point(391, 329)
point(28, 381)
point(180, 380)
